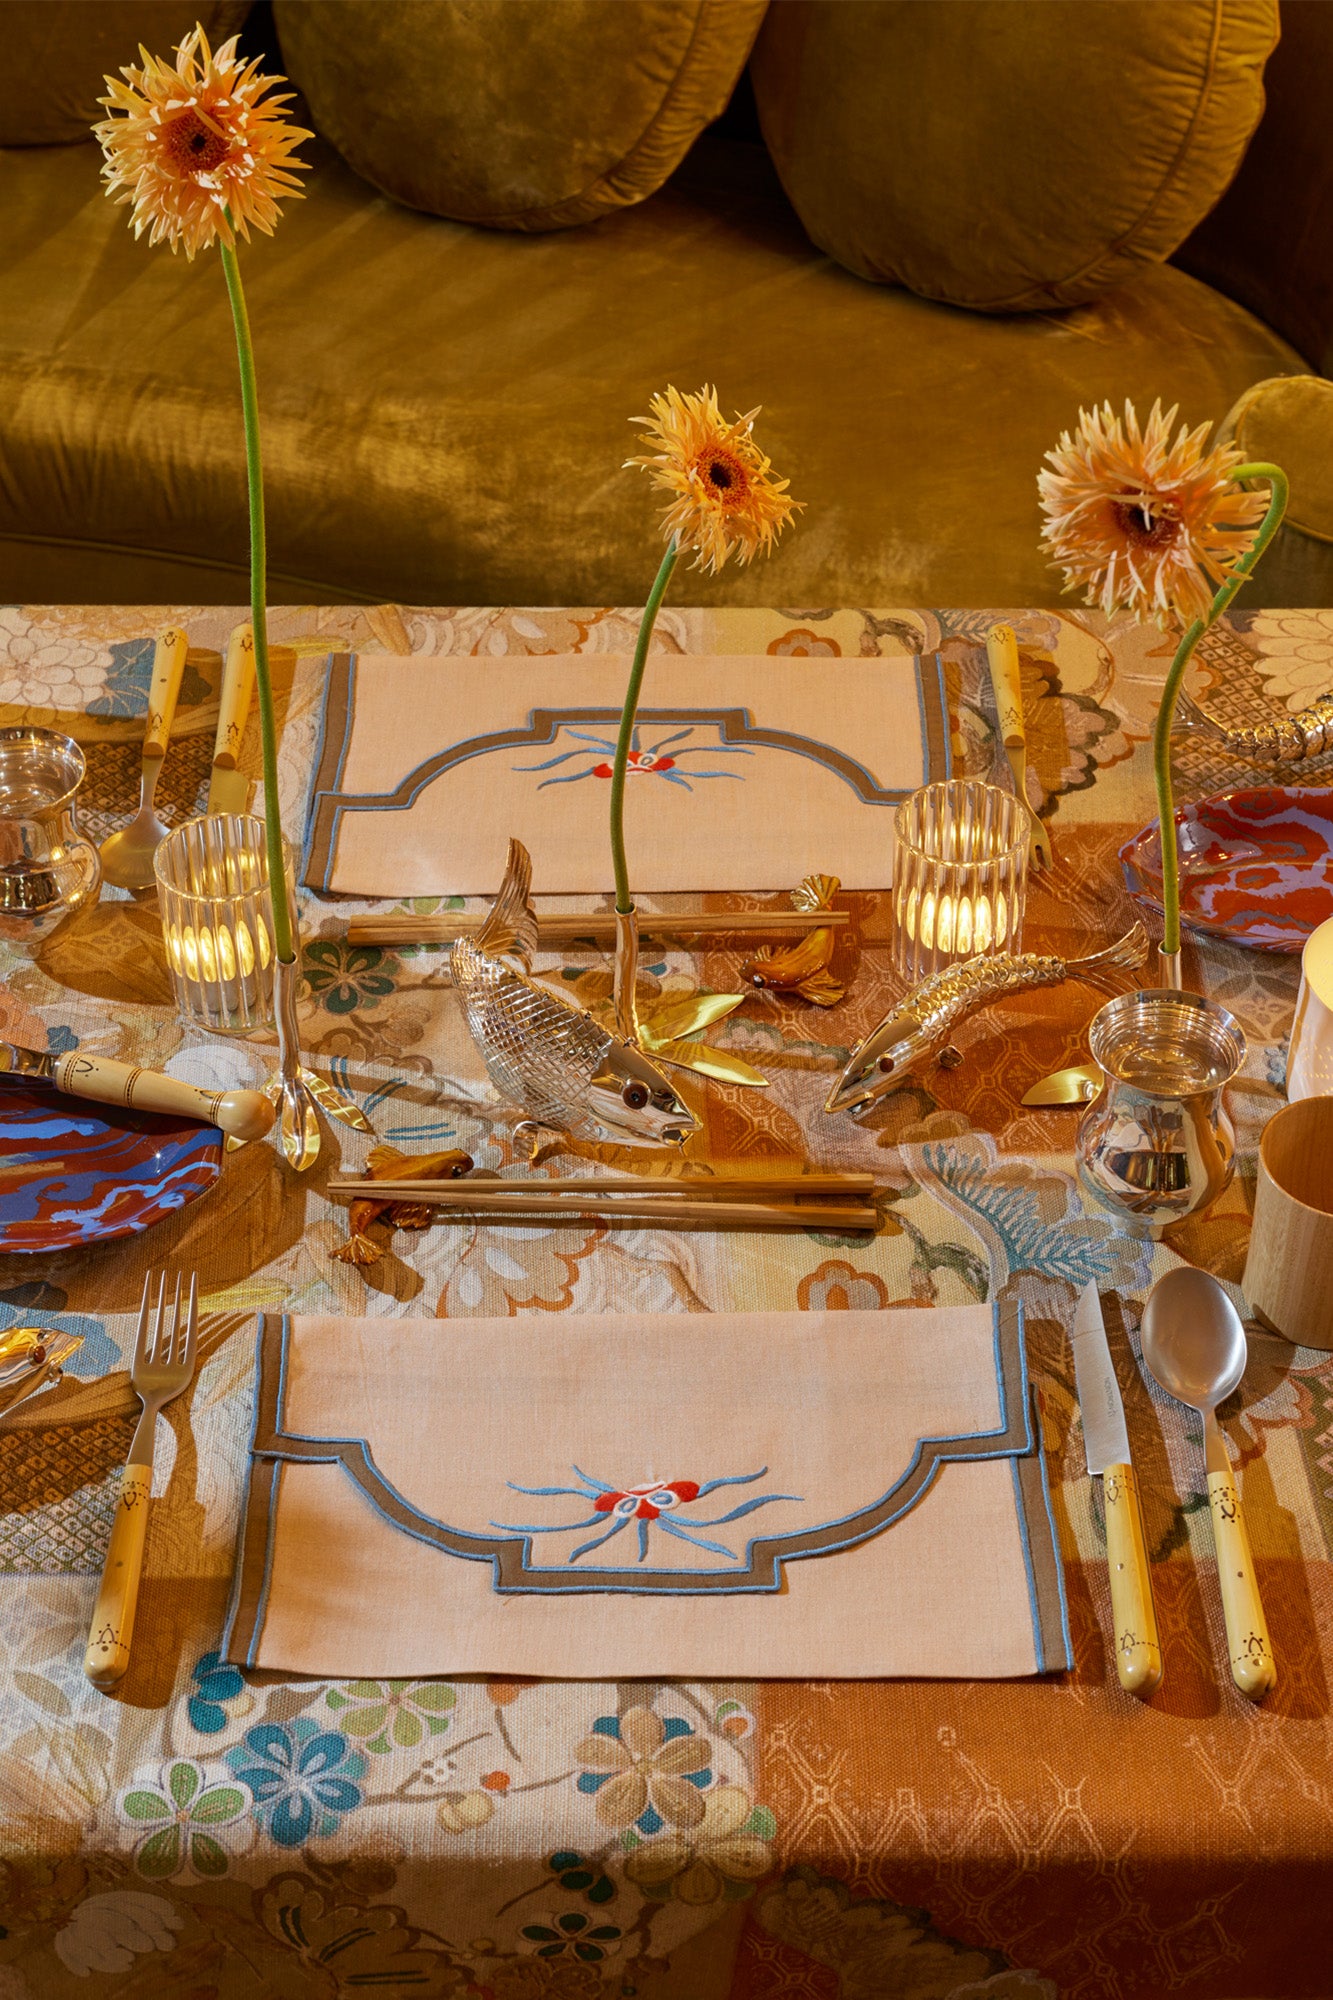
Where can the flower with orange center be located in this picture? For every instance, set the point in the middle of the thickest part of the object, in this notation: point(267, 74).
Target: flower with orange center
point(1145, 524)
point(725, 498)
point(198, 150)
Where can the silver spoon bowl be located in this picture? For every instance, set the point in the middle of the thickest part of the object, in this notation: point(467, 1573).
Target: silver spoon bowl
point(1193, 1340)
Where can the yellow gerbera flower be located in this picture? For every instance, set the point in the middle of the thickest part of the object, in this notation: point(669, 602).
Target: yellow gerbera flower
point(194, 149)
point(726, 500)
point(1146, 524)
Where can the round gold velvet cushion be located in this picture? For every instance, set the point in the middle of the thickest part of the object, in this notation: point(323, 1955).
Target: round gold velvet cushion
point(1008, 154)
point(54, 55)
point(519, 114)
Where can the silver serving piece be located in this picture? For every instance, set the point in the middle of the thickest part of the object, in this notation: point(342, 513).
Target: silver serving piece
point(1158, 1145)
point(920, 1022)
point(562, 1068)
point(47, 869)
point(1290, 739)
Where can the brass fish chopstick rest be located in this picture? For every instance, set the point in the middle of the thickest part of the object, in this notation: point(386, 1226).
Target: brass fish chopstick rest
point(919, 1024)
point(32, 1358)
point(564, 1070)
point(1288, 739)
point(801, 968)
point(384, 1165)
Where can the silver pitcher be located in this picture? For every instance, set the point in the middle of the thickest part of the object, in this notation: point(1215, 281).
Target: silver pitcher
point(47, 869)
point(1157, 1144)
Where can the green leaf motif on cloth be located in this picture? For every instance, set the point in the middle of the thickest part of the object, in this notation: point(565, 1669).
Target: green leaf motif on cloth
point(392, 1715)
point(343, 977)
point(145, 1806)
point(175, 1805)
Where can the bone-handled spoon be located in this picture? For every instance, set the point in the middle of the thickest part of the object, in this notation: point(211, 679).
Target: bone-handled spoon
point(127, 854)
point(1194, 1345)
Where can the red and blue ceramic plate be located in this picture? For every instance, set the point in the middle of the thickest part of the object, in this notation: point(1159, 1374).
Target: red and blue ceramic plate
point(73, 1172)
point(1255, 866)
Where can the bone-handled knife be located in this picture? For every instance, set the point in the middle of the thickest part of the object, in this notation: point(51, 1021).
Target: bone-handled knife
point(241, 1114)
point(1138, 1656)
point(229, 786)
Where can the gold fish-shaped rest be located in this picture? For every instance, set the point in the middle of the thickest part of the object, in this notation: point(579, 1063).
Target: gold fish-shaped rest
point(801, 967)
point(562, 1068)
point(918, 1024)
point(386, 1164)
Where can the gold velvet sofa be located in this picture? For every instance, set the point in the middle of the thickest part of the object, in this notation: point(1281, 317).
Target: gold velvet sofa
point(921, 233)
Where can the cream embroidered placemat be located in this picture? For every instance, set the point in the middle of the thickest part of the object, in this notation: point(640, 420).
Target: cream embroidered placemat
point(747, 773)
point(791, 1494)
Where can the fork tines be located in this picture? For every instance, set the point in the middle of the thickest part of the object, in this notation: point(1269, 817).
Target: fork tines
point(157, 1343)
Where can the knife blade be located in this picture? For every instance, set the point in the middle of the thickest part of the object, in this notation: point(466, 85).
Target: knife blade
point(1077, 1085)
point(228, 785)
point(242, 1114)
point(1138, 1655)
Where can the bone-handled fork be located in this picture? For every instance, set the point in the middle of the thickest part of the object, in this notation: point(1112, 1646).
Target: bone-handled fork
point(162, 1366)
point(1002, 657)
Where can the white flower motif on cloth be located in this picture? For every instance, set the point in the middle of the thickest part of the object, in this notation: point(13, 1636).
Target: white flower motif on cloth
point(1295, 655)
point(107, 1933)
point(47, 670)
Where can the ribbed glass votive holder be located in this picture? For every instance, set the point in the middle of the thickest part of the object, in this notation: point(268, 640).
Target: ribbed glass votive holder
point(959, 875)
point(217, 920)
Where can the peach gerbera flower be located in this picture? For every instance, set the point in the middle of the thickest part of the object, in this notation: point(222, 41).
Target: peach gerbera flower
point(1146, 525)
point(726, 500)
point(195, 150)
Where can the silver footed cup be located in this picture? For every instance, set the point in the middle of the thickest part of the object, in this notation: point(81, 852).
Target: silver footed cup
point(1157, 1144)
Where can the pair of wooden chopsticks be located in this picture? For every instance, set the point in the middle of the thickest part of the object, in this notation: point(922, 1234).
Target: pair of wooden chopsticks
point(563, 928)
point(802, 1201)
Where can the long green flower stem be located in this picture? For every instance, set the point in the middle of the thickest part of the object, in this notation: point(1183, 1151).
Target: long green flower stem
point(624, 901)
point(268, 734)
point(1161, 749)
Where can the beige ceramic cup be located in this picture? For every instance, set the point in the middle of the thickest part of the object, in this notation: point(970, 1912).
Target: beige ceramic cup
point(1310, 1058)
point(1289, 1272)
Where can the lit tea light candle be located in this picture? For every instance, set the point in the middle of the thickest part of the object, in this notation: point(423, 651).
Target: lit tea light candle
point(217, 921)
point(960, 875)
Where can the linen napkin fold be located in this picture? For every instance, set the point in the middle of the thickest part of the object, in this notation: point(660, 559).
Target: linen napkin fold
point(748, 773)
point(709, 1496)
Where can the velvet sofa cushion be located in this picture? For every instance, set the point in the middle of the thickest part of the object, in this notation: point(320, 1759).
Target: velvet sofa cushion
point(1008, 155)
point(519, 114)
point(445, 409)
point(54, 55)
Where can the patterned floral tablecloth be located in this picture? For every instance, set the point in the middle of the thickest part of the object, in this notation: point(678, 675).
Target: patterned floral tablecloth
point(205, 1835)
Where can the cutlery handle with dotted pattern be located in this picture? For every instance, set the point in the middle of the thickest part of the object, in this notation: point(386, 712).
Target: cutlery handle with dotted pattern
point(1138, 1655)
point(1253, 1667)
point(112, 1627)
point(168, 668)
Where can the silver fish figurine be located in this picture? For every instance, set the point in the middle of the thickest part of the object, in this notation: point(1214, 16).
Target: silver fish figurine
point(545, 1054)
point(922, 1019)
point(1291, 739)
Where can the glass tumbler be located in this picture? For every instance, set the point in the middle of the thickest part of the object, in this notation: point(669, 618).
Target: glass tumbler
point(217, 920)
point(959, 875)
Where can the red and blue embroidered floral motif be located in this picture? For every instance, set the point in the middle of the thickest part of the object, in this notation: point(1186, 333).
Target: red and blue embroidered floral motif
point(656, 1500)
point(644, 761)
point(645, 1503)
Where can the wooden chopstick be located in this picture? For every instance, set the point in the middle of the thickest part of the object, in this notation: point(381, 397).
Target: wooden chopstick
point(849, 1185)
point(457, 1200)
point(401, 927)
